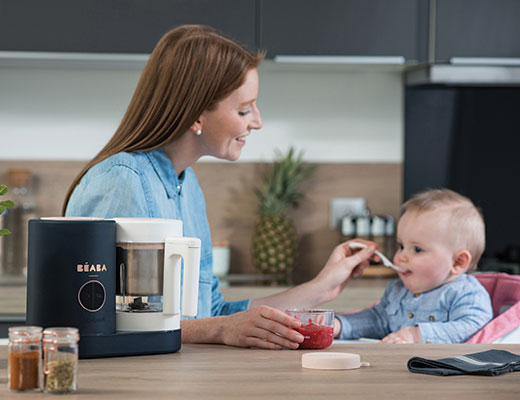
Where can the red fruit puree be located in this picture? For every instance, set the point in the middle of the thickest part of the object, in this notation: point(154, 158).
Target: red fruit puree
point(316, 336)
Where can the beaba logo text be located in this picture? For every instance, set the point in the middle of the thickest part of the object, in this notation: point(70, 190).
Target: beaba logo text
point(91, 267)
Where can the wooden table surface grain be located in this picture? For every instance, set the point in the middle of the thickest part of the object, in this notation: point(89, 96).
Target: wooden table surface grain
point(222, 372)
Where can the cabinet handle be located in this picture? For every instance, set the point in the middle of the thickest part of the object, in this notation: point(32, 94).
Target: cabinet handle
point(506, 61)
point(388, 60)
point(464, 75)
point(71, 59)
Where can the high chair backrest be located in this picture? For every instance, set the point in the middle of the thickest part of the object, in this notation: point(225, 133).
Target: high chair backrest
point(504, 290)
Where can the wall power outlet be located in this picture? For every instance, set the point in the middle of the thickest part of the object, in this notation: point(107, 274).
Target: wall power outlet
point(341, 206)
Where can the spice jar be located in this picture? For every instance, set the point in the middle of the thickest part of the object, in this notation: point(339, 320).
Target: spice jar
point(24, 360)
point(60, 359)
point(377, 231)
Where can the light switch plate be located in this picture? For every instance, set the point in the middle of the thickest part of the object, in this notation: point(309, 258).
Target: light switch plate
point(342, 206)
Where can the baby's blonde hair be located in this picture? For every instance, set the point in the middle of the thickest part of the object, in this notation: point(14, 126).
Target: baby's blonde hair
point(465, 219)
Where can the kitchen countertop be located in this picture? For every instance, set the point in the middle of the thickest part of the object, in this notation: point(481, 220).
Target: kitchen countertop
point(222, 372)
point(360, 293)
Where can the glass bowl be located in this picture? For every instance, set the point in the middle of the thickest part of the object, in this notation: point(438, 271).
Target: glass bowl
point(317, 327)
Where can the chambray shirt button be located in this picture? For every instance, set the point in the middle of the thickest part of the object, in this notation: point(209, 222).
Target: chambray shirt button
point(410, 315)
point(179, 187)
point(431, 318)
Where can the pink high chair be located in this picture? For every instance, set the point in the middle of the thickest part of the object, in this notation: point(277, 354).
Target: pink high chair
point(504, 290)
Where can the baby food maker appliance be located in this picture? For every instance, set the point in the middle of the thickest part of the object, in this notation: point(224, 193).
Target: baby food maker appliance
point(118, 281)
point(148, 271)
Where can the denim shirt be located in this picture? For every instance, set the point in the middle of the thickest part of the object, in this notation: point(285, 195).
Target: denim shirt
point(451, 313)
point(146, 185)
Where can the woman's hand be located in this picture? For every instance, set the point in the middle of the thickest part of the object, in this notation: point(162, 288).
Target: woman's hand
point(343, 263)
point(263, 327)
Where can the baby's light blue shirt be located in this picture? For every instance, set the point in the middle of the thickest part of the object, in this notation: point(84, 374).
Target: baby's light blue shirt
point(145, 185)
point(451, 313)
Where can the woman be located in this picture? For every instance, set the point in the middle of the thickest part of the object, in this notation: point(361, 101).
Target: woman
point(197, 96)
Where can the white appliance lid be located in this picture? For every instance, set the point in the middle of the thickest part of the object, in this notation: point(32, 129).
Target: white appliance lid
point(147, 230)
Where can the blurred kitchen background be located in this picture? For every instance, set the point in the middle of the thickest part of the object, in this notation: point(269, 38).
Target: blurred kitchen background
point(386, 97)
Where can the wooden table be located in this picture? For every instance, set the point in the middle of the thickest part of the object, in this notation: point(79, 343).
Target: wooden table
point(221, 372)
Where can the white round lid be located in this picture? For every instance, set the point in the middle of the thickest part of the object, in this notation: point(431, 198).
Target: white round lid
point(147, 230)
point(332, 361)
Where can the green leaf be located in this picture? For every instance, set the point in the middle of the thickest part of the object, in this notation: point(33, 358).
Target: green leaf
point(4, 231)
point(7, 204)
point(3, 189)
point(279, 187)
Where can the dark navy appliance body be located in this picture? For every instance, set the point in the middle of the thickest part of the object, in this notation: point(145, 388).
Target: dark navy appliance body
point(71, 281)
point(71, 274)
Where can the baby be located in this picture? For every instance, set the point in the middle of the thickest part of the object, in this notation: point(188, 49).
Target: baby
point(440, 236)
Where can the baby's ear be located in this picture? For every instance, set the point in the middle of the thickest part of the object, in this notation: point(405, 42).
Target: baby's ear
point(461, 262)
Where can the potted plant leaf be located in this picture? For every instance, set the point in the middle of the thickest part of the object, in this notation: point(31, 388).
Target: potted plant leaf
point(3, 206)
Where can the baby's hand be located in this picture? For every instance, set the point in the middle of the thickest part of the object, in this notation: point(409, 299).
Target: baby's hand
point(408, 334)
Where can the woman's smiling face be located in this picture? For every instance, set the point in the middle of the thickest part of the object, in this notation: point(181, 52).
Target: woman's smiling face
point(226, 127)
point(425, 250)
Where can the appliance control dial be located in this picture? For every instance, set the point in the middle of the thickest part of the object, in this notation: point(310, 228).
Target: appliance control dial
point(92, 296)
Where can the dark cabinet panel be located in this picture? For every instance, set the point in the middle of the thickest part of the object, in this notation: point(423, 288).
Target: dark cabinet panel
point(477, 28)
point(344, 27)
point(466, 139)
point(429, 123)
point(116, 26)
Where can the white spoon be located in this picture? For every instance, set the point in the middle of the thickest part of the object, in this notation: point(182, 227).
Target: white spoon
point(386, 261)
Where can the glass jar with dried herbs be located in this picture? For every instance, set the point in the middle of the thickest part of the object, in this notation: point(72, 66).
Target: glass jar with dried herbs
point(60, 359)
point(24, 359)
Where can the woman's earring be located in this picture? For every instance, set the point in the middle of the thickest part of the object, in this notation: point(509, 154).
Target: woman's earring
point(198, 132)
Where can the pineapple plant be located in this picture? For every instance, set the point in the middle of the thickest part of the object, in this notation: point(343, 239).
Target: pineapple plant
point(274, 237)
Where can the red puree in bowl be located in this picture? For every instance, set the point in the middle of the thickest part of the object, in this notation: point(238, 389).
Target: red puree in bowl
point(316, 336)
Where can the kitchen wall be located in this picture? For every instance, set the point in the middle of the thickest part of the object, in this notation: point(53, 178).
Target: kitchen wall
point(349, 121)
point(335, 114)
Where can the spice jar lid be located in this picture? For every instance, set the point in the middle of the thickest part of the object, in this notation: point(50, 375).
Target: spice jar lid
point(25, 334)
point(58, 335)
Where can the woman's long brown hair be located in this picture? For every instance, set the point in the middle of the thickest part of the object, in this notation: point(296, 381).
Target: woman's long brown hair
point(190, 70)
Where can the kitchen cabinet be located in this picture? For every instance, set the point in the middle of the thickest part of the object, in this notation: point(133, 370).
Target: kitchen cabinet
point(356, 28)
point(344, 27)
point(477, 28)
point(118, 26)
point(466, 139)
